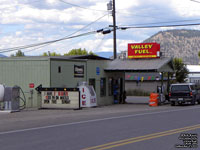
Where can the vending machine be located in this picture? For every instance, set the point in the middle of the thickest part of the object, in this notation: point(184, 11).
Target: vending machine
point(87, 95)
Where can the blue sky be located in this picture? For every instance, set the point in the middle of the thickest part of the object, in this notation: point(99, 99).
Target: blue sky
point(24, 22)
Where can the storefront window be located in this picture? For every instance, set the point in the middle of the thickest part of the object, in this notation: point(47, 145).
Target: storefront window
point(59, 69)
point(103, 87)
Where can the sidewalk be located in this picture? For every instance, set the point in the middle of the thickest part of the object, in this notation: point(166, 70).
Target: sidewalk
point(135, 104)
point(33, 114)
point(33, 117)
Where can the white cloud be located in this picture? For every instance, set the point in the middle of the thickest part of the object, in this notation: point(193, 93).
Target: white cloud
point(26, 22)
point(27, 14)
point(18, 33)
point(126, 4)
point(186, 8)
point(52, 2)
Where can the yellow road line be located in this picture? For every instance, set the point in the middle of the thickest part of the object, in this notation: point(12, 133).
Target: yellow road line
point(142, 138)
point(147, 138)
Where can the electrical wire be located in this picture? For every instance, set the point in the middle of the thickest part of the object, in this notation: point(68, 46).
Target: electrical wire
point(71, 43)
point(195, 1)
point(177, 25)
point(166, 22)
point(100, 43)
point(33, 2)
point(81, 6)
point(70, 34)
point(50, 42)
point(146, 16)
point(23, 4)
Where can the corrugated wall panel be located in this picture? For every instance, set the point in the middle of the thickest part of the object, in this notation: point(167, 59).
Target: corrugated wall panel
point(66, 77)
point(22, 72)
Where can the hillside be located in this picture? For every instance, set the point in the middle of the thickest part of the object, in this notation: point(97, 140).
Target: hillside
point(183, 44)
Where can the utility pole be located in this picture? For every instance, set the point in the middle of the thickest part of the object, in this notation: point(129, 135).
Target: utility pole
point(111, 7)
point(114, 31)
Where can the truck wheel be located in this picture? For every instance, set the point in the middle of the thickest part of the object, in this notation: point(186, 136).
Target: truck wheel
point(172, 103)
point(199, 102)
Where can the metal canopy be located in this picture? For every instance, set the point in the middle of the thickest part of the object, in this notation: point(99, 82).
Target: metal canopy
point(164, 64)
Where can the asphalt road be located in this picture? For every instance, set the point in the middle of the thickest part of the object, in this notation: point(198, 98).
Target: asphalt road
point(147, 129)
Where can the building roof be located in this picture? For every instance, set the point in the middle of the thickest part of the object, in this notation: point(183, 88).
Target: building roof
point(164, 64)
point(78, 57)
point(93, 57)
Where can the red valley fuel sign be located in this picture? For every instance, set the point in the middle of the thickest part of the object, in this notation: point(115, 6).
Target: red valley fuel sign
point(143, 50)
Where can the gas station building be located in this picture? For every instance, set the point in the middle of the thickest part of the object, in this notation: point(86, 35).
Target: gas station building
point(105, 75)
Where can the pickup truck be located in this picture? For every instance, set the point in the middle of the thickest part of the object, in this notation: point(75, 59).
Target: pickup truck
point(183, 93)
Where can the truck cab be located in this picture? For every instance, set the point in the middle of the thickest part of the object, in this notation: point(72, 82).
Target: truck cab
point(182, 93)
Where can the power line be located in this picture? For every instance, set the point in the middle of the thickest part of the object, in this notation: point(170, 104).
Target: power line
point(135, 15)
point(80, 6)
point(36, 1)
point(49, 42)
point(43, 44)
point(71, 43)
point(73, 32)
point(195, 1)
point(166, 22)
point(100, 43)
point(177, 25)
point(33, 2)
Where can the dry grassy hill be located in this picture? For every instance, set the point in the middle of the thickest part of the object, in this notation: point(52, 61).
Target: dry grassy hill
point(183, 44)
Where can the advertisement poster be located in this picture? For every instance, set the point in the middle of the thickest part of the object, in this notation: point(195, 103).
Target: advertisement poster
point(78, 71)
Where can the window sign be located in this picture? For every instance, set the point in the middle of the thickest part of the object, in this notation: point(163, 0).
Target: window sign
point(97, 71)
point(78, 71)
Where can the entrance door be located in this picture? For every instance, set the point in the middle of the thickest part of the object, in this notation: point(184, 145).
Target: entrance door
point(118, 90)
point(92, 82)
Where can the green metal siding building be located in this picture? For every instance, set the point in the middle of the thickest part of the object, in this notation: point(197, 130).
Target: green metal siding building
point(107, 76)
point(55, 72)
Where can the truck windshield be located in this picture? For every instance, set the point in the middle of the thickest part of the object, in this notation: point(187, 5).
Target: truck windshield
point(180, 88)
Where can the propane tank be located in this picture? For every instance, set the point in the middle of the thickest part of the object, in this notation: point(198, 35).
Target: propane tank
point(2, 91)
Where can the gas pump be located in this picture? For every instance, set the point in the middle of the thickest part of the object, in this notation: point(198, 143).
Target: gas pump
point(160, 91)
point(116, 92)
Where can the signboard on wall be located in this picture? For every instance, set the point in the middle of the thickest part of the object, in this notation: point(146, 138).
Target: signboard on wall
point(97, 71)
point(31, 85)
point(143, 50)
point(53, 97)
point(78, 71)
point(59, 97)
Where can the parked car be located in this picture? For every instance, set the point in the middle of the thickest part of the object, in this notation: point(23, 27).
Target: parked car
point(183, 93)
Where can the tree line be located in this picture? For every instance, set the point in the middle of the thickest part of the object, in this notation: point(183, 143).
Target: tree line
point(72, 52)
